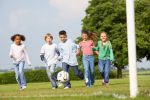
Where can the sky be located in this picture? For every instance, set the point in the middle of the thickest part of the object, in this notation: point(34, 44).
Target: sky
point(34, 18)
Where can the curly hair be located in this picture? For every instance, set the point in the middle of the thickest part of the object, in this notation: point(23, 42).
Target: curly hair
point(19, 35)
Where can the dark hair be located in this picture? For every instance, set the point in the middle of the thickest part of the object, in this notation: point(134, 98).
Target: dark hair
point(20, 35)
point(84, 32)
point(91, 35)
point(62, 32)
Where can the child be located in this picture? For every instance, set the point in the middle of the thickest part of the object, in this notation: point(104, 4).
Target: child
point(49, 54)
point(68, 51)
point(105, 52)
point(18, 53)
point(87, 45)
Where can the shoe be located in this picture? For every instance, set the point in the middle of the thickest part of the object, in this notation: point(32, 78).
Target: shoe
point(66, 87)
point(54, 88)
point(24, 87)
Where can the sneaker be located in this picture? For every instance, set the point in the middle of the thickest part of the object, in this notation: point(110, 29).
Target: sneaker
point(24, 87)
point(54, 88)
point(87, 86)
point(66, 87)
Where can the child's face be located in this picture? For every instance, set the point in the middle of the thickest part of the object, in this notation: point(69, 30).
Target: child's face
point(103, 37)
point(48, 39)
point(84, 36)
point(63, 38)
point(17, 40)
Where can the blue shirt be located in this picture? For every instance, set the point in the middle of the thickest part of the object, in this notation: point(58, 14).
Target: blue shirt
point(68, 51)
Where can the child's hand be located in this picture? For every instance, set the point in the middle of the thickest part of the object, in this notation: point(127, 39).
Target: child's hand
point(97, 52)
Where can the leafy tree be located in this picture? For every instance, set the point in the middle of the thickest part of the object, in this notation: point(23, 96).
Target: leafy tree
point(110, 16)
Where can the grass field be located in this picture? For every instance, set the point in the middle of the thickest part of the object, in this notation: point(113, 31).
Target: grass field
point(118, 89)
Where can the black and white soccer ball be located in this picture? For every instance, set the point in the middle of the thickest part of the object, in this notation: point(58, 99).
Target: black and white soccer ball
point(63, 76)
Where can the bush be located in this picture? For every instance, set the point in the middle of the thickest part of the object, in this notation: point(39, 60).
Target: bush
point(41, 76)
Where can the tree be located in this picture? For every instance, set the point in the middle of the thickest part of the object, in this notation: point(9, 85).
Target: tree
point(110, 16)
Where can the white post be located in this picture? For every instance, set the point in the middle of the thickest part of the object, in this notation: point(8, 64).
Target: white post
point(131, 48)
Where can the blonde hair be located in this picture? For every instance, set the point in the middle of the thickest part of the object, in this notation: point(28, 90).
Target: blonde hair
point(48, 35)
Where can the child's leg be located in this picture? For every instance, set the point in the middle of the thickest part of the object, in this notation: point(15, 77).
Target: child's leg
point(106, 71)
point(101, 67)
point(91, 60)
point(16, 68)
point(50, 72)
point(78, 72)
point(66, 68)
point(21, 74)
point(86, 70)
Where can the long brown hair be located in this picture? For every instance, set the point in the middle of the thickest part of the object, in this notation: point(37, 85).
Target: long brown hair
point(91, 35)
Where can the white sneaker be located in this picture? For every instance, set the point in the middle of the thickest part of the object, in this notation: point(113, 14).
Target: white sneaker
point(66, 87)
point(54, 88)
point(23, 87)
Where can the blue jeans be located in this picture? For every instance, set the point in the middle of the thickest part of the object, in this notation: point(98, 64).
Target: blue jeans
point(51, 75)
point(20, 74)
point(77, 72)
point(88, 63)
point(104, 68)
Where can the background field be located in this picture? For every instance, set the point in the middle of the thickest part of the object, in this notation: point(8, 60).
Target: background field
point(118, 89)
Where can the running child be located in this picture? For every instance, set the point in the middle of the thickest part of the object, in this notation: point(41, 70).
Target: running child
point(49, 54)
point(105, 56)
point(86, 46)
point(68, 52)
point(18, 53)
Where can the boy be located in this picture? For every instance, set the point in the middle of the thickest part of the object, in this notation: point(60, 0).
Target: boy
point(68, 51)
point(49, 54)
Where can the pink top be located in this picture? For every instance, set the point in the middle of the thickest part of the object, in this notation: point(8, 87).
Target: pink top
point(86, 47)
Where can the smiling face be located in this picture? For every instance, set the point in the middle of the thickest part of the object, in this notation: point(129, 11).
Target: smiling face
point(103, 37)
point(84, 36)
point(17, 40)
point(63, 38)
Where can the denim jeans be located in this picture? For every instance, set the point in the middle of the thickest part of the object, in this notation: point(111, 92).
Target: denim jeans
point(20, 78)
point(77, 72)
point(52, 75)
point(88, 63)
point(104, 68)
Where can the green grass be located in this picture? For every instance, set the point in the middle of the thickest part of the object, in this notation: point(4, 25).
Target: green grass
point(118, 88)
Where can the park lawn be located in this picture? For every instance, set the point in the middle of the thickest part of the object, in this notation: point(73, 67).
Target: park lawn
point(118, 89)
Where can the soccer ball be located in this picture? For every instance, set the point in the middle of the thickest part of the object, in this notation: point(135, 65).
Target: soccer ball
point(63, 76)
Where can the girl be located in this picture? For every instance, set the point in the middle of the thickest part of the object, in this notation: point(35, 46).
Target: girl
point(18, 53)
point(86, 46)
point(105, 55)
point(49, 54)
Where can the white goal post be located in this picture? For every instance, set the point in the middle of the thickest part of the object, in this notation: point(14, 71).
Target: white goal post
point(131, 48)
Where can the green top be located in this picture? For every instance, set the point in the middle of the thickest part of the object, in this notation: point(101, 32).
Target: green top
point(105, 51)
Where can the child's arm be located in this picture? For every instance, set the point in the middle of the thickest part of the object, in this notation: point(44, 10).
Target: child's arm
point(42, 52)
point(111, 53)
point(78, 50)
point(27, 56)
point(57, 51)
point(11, 52)
point(60, 52)
point(96, 49)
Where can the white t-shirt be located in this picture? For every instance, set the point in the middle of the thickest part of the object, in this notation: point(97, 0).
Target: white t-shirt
point(19, 53)
point(68, 51)
point(50, 53)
